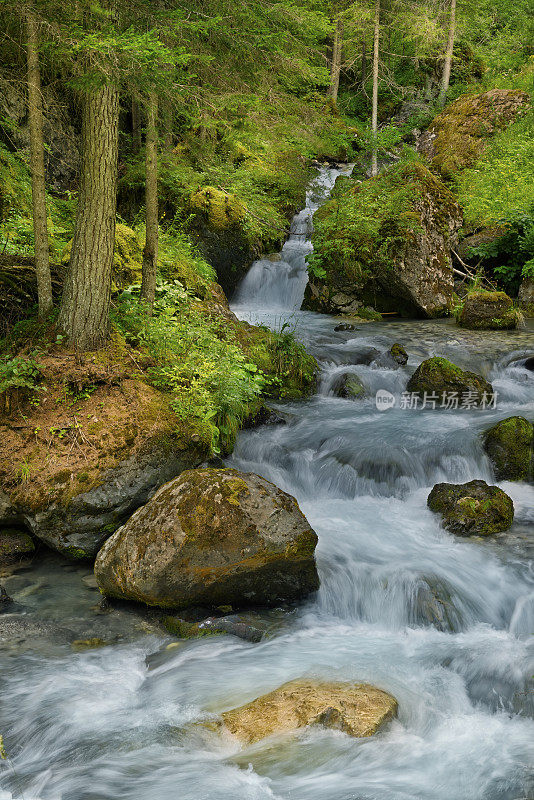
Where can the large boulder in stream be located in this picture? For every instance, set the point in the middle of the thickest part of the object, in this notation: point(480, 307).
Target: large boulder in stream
point(355, 709)
point(472, 509)
point(208, 538)
point(492, 311)
point(441, 377)
point(510, 447)
point(386, 243)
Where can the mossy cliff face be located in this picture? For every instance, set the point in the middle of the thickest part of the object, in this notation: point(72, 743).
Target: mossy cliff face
point(459, 135)
point(218, 226)
point(488, 311)
point(525, 298)
point(472, 509)
point(212, 537)
point(386, 243)
point(439, 376)
point(510, 447)
point(355, 709)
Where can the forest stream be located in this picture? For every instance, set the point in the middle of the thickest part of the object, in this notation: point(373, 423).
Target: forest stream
point(443, 623)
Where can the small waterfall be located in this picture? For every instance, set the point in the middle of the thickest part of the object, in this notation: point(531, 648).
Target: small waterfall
point(278, 282)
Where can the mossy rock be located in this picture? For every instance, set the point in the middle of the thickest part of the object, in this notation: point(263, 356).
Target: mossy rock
point(525, 298)
point(15, 545)
point(510, 447)
point(488, 311)
point(438, 375)
point(221, 210)
point(349, 387)
point(358, 710)
point(212, 537)
point(472, 509)
point(213, 626)
point(398, 354)
point(459, 135)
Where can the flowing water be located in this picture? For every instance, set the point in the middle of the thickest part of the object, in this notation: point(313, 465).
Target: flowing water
point(445, 624)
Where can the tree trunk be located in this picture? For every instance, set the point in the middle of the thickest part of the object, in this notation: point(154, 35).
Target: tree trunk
point(35, 116)
point(335, 68)
point(364, 63)
point(150, 252)
point(84, 311)
point(374, 113)
point(136, 128)
point(446, 76)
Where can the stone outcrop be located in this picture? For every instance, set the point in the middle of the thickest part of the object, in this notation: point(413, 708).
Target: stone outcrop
point(349, 387)
point(491, 311)
point(438, 375)
point(399, 262)
point(525, 298)
point(355, 709)
point(15, 545)
point(510, 447)
point(217, 225)
point(208, 538)
point(83, 482)
point(472, 509)
point(459, 135)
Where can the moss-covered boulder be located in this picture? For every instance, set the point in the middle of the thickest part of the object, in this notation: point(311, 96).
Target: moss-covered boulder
point(349, 387)
point(525, 298)
point(459, 135)
point(440, 376)
point(472, 509)
point(386, 243)
point(510, 447)
point(398, 354)
point(492, 311)
point(212, 537)
point(355, 709)
point(15, 545)
point(218, 225)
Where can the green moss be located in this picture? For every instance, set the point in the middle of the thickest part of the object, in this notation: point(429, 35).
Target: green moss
point(76, 553)
point(127, 257)
point(472, 508)
point(220, 209)
point(438, 375)
point(482, 310)
point(510, 447)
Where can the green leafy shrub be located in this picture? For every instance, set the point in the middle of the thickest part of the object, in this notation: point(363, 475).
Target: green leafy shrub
point(510, 258)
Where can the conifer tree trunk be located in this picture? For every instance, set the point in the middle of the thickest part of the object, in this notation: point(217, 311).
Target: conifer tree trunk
point(84, 311)
point(150, 252)
point(35, 117)
point(364, 63)
point(374, 113)
point(136, 127)
point(446, 76)
point(335, 69)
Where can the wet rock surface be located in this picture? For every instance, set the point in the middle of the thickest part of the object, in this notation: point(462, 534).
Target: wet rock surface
point(212, 537)
point(355, 709)
point(472, 509)
point(488, 311)
point(510, 447)
point(438, 376)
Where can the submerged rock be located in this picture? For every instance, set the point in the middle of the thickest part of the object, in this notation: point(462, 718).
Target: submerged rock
point(208, 538)
point(472, 509)
point(15, 545)
point(234, 625)
point(356, 709)
point(510, 447)
point(438, 375)
point(349, 387)
point(488, 311)
point(5, 600)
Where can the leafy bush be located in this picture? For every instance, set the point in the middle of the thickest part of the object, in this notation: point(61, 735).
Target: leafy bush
point(510, 257)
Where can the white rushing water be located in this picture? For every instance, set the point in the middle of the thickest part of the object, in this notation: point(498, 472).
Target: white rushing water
point(445, 624)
